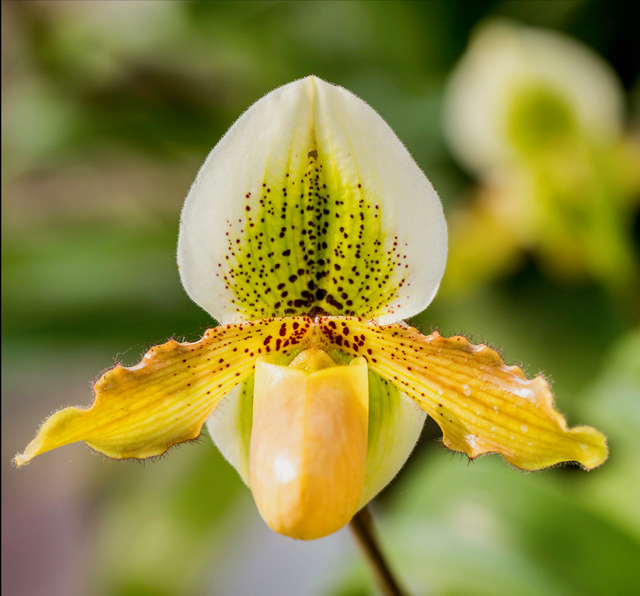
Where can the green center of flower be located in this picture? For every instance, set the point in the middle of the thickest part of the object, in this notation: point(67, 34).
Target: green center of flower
point(312, 360)
point(311, 244)
point(539, 118)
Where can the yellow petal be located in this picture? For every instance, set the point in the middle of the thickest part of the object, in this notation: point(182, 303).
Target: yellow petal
point(481, 404)
point(142, 411)
point(309, 446)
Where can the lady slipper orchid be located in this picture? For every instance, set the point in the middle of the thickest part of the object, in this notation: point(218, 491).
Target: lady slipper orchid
point(309, 234)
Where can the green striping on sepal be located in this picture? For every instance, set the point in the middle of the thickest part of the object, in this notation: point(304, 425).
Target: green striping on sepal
point(313, 244)
point(230, 426)
point(395, 424)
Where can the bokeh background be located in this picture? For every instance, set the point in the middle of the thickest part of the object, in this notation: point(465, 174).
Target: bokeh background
point(109, 108)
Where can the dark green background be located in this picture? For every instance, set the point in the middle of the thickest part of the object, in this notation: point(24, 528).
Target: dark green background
point(109, 109)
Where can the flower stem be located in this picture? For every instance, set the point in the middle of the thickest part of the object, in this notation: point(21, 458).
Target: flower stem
point(365, 535)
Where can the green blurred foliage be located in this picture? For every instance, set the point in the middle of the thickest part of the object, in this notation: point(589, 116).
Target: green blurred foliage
point(109, 108)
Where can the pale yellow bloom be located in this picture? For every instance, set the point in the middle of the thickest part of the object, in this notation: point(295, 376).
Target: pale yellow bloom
point(538, 117)
point(310, 232)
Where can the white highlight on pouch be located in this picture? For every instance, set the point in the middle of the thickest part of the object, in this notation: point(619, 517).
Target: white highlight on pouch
point(284, 469)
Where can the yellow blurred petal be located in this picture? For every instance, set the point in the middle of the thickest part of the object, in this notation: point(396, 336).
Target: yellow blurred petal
point(143, 410)
point(481, 404)
point(482, 246)
point(309, 446)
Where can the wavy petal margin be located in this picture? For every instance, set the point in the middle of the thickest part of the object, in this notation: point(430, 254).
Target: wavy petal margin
point(481, 404)
point(310, 204)
point(164, 400)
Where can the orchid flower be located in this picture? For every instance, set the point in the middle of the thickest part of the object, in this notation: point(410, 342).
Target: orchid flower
point(518, 91)
point(309, 234)
point(538, 117)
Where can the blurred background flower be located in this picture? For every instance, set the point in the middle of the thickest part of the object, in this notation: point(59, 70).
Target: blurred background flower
point(109, 108)
point(539, 118)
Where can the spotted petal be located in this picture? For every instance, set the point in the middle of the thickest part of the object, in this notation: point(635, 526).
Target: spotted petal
point(481, 404)
point(143, 410)
point(310, 204)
